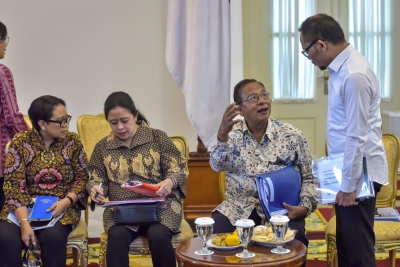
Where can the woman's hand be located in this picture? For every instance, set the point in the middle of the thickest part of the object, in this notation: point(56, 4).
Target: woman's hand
point(27, 233)
point(59, 207)
point(165, 187)
point(97, 194)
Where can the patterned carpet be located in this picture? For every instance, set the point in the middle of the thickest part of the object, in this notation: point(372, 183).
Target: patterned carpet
point(315, 225)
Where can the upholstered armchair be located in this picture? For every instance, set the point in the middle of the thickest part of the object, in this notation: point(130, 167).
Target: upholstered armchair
point(91, 129)
point(387, 233)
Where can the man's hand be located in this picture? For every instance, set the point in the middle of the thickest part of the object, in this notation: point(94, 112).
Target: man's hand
point(346, 199)
point(295, 212)
point(227, 122)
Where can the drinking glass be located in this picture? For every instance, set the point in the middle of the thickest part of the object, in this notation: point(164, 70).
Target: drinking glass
point(245, 228)
point(204, 229)
point(279, 225)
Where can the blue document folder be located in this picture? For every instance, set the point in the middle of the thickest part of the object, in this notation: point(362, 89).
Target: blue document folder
point(42, 203)
point(279, 186)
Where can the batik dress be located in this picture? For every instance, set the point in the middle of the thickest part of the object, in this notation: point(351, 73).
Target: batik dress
point(31, 170)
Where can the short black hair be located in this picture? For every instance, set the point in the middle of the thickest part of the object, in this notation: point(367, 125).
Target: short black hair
point(323, 27)
point(42, 109)
point(3, 31)
point(237, 91)
point(123, 100)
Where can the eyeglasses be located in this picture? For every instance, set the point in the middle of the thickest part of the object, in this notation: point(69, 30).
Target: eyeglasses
point(63, 123)
point(305, 51)
point(7, 39)
point(255, 98)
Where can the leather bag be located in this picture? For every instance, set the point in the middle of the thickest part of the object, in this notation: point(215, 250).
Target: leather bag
point(136, 214)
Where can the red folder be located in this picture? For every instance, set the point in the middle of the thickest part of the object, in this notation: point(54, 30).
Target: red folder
point(142, 188)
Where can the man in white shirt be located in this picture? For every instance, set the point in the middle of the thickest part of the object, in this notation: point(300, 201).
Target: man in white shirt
point(353, 129)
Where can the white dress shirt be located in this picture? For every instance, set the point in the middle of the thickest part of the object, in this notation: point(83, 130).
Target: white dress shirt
point(354, 119)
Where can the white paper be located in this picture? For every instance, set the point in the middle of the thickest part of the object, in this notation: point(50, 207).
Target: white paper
point(330, 179)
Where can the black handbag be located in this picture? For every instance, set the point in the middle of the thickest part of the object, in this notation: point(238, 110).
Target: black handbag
point(136, 214)
point(26, 258)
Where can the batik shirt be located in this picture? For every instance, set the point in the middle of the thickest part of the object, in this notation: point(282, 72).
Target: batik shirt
point(31, 170)
point(243, 158)
point(11, 120)
point(151, 158)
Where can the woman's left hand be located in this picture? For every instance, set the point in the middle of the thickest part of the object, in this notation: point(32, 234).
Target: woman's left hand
point(59, 207)
point(165, 187)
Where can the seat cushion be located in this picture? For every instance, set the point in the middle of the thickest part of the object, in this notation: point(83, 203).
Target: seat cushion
point(80, 232)
point(387, 233)
point(141, 246)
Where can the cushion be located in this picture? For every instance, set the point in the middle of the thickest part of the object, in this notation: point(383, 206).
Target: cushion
point(387, 233)
point(80, 232)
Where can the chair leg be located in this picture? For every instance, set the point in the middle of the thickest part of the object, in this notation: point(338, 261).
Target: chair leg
point(392, 258)
point(102, 254)
point(80, 253)
point(75, 258)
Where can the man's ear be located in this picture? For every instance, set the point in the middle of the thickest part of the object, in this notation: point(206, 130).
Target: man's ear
point(323, 45)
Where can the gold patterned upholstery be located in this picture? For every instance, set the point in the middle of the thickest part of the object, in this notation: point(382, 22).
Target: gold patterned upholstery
point(387, 233)
point(28, 121)
point(91, 129)
point(222, 185)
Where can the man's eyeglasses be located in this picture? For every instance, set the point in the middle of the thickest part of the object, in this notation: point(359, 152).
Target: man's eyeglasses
point(255, 98)
point(7, 39)
point(63, 123)
point(305, 51)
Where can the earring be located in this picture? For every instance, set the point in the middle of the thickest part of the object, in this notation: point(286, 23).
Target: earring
point(44, 128)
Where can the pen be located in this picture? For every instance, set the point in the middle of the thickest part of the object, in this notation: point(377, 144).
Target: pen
point(92, 203)
point(97, 193)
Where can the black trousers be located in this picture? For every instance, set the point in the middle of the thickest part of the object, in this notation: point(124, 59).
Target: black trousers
point(2, 196)
point(53, 241)
point(158, 235)
point(355, 237)
point(223, 225)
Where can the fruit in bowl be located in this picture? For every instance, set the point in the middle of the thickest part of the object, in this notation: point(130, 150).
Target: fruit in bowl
point(226, 240)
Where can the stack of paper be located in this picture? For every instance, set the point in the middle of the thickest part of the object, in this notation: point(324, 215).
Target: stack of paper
point(328, 173)
point(387, 214)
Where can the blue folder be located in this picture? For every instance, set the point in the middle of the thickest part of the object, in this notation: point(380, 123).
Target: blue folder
point(42, 203)
point(279, 186)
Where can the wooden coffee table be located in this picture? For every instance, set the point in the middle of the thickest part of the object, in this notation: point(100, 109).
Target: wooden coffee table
point(264, 257)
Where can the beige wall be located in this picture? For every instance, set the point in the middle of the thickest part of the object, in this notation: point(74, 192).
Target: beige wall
point(82, 51)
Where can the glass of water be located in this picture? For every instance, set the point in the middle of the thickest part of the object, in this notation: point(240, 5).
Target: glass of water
point(279, 225)
point(204, 229)
point(245, 228)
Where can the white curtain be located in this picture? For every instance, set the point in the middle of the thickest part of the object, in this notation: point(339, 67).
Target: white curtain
point(369, 30)
point(294, 75)
point(198, 55)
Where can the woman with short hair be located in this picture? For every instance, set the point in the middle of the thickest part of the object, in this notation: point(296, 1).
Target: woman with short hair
point(47, 160)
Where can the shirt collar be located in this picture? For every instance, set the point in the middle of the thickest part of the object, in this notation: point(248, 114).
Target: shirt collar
point(142, 136)
point(337, 63)
point(269, 132)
